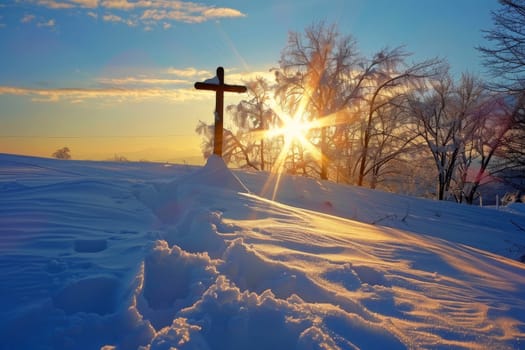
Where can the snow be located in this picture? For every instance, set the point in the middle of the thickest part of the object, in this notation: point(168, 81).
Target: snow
point(101, 255)
point(215, 81)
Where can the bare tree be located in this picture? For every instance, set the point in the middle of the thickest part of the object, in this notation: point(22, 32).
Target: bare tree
point(505, 59)
point(390, 138)
point(62, 153)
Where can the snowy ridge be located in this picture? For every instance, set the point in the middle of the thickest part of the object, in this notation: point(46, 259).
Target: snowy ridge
point(143, 256)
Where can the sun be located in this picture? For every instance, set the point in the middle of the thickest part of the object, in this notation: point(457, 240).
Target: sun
point(294, 130)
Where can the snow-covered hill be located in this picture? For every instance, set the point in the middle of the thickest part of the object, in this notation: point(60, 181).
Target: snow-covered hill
point(150, 256)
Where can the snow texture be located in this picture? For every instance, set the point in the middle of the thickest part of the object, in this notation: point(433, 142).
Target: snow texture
point(100, 255)
point(214, 81)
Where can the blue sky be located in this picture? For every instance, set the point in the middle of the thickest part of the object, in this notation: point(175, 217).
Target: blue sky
point(107, 77)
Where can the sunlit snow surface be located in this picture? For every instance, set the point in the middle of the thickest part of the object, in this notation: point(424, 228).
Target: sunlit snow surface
point(150, 256)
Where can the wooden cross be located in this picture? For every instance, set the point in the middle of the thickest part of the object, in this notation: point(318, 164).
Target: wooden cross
point(219, 87)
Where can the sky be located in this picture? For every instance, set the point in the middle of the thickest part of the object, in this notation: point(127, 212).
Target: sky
point(115, 77)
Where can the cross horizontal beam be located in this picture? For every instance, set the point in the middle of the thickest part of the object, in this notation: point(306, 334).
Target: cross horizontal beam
point(221, 86)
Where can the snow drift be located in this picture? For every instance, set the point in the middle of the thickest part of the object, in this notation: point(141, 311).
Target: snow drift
point(101, 255)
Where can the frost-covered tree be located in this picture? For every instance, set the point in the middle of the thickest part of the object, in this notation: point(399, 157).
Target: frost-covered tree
point(253, 117)
point(326, 69)
point(206, 131)
point(463, 125)
point(234, 151)
point(386, 80)
point(487, 122)
point(62, 153)
point(313, 76)
point(439, 123)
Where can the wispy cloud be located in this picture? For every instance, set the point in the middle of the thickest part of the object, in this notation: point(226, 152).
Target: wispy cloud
point(123, 4)
point(117, 95)
point(118, 19)
point(51, 23)
point(190, 14)
point(60, 4)
point(41, 23)
point(222, 12)
point(112, 18)
point(188, 72)
point(167, 85)
point(247, 76)
point(54, 4)
point(86, 3)
point(27, 18)
point(127, 81)
point(150, 13)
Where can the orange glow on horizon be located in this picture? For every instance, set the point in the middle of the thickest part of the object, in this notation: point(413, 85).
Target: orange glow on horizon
point(173, 149)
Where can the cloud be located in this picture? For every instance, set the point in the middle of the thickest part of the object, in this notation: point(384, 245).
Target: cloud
point(132, 22)
point(117, 95)
point(248, 76)
point(167, 85)
point(86, 3)
point(151, 13)
point(197, 14)
point(30, 18)
point(55, 4)
point(188, 72)
point(58, 4)
point(112, 18)
point(122, 4)
point(51, 23)
point(141, 81)
point(27, 18)
point(92, 14)
point(177, 77)
point(222, 12)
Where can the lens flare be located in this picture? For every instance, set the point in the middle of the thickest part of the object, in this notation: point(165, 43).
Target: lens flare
point(294, 130)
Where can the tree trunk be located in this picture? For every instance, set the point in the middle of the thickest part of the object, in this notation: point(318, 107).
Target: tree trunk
point(262, 155)
point(324, 159)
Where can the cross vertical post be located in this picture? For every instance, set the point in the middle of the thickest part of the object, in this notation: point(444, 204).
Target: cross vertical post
point(219, 87)
point(219, 115)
